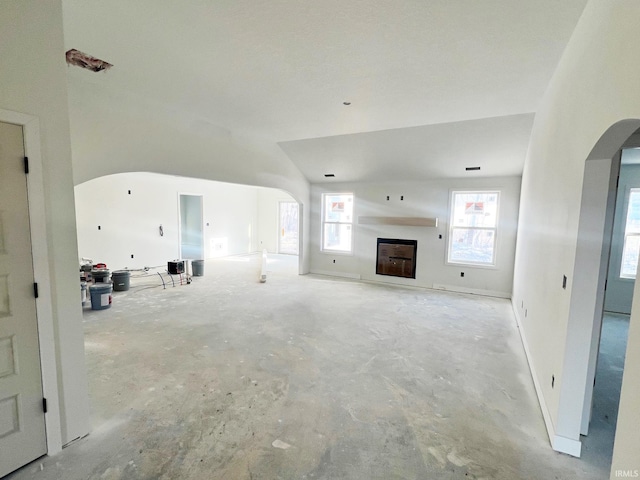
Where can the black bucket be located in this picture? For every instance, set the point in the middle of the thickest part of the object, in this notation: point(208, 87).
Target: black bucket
point(197, 268)
point(120, 280)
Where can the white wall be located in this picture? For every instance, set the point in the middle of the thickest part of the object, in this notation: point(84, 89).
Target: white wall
point(237, 218)
point(33, 80)
point(421, 199)
point(124, 133)
point(594, 88)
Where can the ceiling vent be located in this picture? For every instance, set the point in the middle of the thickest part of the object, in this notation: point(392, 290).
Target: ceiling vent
point(329, 175)
point(471, 169)
point(82, 60)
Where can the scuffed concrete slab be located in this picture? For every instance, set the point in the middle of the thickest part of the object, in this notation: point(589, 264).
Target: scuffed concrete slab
point(306, 378)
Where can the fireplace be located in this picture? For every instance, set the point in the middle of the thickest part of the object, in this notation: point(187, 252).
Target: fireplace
point(396, 257)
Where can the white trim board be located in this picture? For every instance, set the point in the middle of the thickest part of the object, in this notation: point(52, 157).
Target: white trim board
point(40, 251)
point(558, 443)
point(402, 221)
point(472, 291)
point(328, 273)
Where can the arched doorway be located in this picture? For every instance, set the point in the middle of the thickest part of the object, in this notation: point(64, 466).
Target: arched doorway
point(590, 273)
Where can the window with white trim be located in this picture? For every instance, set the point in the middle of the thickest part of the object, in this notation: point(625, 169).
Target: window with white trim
point(337, 222)
point(473, 227)
point(629, 263)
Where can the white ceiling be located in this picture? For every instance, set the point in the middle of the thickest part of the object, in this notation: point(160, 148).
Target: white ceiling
point(434, 86)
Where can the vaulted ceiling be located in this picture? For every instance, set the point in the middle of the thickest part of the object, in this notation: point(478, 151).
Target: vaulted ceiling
point(433, 86)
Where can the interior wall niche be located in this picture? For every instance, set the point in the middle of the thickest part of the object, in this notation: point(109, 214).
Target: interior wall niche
point(396, 257)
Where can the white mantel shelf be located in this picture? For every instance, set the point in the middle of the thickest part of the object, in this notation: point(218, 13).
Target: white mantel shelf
point(402, 221)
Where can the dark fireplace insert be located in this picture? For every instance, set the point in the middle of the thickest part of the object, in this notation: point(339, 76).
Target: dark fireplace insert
point(396, 257)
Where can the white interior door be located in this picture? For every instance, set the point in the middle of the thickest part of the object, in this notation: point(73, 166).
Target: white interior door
point(22, 426)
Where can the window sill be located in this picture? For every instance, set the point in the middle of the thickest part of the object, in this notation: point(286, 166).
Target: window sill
point(473, 265)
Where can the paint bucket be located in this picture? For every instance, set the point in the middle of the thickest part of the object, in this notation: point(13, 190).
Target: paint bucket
point(120, 279)
point(100, 296)
point(83, 292)
point(101, 275)
point(197, 268)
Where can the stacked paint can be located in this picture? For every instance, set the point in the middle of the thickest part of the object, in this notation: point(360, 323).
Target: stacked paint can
point(100, 295)
point(83, 292)
point(100, 275)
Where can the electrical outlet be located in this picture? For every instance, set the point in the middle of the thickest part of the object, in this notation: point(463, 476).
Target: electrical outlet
point(401, 197)
point(334, 261)
point(129, 192)
point(462, 274)
point(132, 255)
point(99, 227)
point(440, 236)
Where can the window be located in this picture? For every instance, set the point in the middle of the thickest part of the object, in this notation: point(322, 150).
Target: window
point(629, 262)
point(337, 222)
point(473, 228)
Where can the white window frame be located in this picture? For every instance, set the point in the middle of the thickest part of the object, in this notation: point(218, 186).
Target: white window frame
point(627, 234)
point(324, 222)
point(452, 227)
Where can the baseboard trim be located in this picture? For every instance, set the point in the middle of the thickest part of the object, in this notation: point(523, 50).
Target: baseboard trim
point(472, 291)
point(551, 431)
point(566, 445)
point(327, 273)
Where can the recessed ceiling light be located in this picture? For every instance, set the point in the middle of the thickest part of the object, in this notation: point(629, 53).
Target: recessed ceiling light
point(329, 175)
point(346, 103)
point(468, 169)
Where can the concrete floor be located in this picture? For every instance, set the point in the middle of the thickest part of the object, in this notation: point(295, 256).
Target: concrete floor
point(597, 447)
point(306, 377)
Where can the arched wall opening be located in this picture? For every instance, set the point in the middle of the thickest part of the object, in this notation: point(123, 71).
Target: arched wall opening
point(586, 309)
point(132, 220)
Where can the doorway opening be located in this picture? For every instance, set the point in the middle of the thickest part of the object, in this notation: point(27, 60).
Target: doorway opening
point(288, 228)
point(614, 324)
point(191, 227)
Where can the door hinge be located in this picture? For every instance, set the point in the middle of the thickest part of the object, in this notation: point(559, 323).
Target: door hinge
point(26, 165)
point(44, 405)
point(35, 289)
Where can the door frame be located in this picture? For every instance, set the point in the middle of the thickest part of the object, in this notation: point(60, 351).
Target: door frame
point(203, 247)
point(40, 252)
point(279, 236)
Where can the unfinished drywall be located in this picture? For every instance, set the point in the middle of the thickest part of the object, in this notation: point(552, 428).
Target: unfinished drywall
point(33, 81)
point(419, 199)
point(120, 215)
point(594, 88)
point(121, 133)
